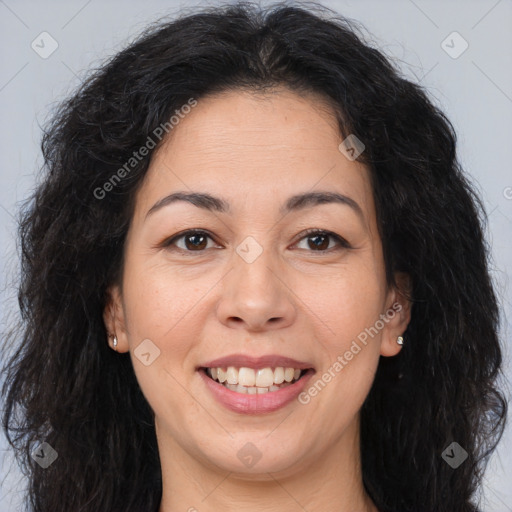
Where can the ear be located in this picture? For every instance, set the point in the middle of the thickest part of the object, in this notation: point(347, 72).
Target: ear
point(114, 318)
point(398, 313)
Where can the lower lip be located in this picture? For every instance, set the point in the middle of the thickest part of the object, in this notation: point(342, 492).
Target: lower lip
point(257, 403)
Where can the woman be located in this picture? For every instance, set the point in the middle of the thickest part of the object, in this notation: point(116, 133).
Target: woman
point(254, 278)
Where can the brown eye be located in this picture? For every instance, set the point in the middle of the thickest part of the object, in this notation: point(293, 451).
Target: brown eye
point(319, 241)
point(193, 241)
point(197, 241)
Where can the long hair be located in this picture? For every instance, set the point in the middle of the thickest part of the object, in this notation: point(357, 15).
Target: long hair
point(66, 387)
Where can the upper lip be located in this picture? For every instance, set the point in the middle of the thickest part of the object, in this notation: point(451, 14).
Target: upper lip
point(270, 360)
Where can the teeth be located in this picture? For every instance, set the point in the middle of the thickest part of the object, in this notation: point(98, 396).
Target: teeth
point(221, 374)
point(264, 377)
point(232, 375)
point(279, 375)
point(288, 374)
point(251, 381)
point(247, 377)
point(253, 390)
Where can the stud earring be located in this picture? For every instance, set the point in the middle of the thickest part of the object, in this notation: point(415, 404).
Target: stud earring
point(400, 340)
point(114, 341)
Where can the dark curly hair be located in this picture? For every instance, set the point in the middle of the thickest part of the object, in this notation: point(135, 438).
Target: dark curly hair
point(65, 386)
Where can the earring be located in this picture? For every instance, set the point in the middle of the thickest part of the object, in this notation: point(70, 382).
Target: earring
point(400, 340)
point(114, 341)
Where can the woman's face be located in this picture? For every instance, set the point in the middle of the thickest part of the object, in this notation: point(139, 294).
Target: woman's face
point(253, 283)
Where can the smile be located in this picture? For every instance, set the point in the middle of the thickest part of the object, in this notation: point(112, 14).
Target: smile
point(265, 393)
point(255, 381)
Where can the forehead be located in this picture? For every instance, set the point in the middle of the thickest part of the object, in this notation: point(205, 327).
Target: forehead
point(255, 150)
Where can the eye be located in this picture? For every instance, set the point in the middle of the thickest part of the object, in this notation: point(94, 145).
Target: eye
point(320, 240)
point(197, 241)
point(194, 241)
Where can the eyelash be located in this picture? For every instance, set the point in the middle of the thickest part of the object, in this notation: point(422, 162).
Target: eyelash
point(343, 244)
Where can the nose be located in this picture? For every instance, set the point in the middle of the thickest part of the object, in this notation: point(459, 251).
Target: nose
point(255, 296)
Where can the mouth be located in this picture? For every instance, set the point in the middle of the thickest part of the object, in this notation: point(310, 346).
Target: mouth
point(245, 390)
point(255, 381)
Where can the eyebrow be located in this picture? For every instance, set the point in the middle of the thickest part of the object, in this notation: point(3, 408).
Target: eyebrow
point(294, 203)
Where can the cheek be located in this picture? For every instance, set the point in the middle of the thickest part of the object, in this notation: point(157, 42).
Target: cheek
point(349, 310)
point(349, 302)
point(158, 300)
point(162, 307)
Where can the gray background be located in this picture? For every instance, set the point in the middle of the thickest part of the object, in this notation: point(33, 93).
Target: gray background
point(474, 89)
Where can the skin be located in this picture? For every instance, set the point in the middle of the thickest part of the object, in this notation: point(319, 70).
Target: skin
point(255, 151)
